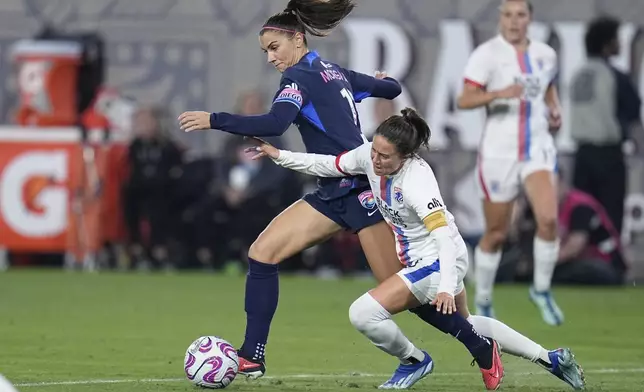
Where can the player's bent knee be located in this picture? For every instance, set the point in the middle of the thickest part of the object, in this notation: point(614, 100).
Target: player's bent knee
point(547, 223)
point(359, 314)
point(365, 312)
point(494, 239)
point(263, 250)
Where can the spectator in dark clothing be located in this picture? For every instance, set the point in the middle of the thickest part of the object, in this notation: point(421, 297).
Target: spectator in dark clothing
point(242, 197)
point(253, 192)
point(605, 107)
point(591, 251)
point(155, 164)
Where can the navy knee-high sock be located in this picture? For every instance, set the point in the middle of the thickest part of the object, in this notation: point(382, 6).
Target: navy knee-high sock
point(262, 292)
point(457, 326)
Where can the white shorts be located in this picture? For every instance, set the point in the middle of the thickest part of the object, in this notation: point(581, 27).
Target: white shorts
point(500, 179)
point(424, 277)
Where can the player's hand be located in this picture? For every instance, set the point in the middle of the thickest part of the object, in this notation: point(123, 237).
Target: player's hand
point(554, 119)
point(264, 149)
point(514, 91)
point(445, 303)
point(194, 121)
point(380, 75)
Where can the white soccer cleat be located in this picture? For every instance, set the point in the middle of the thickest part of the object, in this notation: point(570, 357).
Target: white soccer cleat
point(550, 311)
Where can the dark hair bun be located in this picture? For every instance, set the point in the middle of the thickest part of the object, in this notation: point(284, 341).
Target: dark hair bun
point(412, 117)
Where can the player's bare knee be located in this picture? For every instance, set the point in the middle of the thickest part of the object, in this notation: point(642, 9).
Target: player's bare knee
point(547, 225)
point(493, 239)
point(264, 251)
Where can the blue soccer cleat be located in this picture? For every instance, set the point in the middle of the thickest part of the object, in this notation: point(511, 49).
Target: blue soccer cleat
point(407, 375)
point(550, 312)
point(566, 368)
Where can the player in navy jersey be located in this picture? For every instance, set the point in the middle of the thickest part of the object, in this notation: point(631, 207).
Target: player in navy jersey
point(319, 97)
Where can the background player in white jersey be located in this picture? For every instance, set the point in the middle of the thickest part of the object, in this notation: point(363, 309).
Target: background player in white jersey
point(512, 77)
point(429, 246)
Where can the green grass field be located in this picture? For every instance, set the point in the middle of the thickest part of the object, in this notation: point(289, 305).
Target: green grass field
point(129, 332)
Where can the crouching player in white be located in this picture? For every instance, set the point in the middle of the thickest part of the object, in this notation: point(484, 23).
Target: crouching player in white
point(429, 245)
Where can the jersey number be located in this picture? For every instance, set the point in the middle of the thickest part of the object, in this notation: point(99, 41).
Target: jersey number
point(352, 104)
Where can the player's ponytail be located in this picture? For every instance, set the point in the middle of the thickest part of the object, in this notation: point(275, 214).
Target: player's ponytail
point(408, 132)
point(317, 17)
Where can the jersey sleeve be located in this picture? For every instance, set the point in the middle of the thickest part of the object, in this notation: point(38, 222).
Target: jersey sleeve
point(365, 86)
point(285, 108)
point(478, 68)
point(347, 164)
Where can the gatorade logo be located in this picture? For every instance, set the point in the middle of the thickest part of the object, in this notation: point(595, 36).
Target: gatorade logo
point(33, 196)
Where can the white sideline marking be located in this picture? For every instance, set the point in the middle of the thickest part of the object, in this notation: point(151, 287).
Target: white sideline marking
point(293, 376)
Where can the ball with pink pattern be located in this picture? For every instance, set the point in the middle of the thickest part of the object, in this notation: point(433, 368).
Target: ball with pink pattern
point(211, 362)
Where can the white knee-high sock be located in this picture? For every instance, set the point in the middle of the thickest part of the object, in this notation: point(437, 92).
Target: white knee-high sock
point(374, 321)
point(510, 341)
point(545, 260)
point(485, 267)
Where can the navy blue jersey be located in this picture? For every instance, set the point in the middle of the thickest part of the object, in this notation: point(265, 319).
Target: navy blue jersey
point(319, 97)
point(326, 99)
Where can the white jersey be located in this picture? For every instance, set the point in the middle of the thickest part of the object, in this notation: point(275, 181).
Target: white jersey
point(404, 198)
point(515, 128)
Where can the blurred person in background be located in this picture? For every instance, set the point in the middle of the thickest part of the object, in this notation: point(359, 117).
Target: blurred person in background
point(154, 161)
point(242, 197)
point(251, 103)
point(252, 193)
point(605, 107)
point(513, 77)
point(591, 251)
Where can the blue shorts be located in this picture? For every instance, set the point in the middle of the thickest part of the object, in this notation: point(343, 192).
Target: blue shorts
point(354, 211)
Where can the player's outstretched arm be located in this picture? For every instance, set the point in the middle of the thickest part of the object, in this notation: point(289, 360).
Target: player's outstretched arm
point(343, 165)
point(273, 123)
point(380, 86)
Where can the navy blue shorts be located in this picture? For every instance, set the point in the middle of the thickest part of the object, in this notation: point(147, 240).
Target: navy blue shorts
point(354, 212)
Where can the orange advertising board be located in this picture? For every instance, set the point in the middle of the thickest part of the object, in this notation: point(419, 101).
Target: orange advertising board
point(50, 197)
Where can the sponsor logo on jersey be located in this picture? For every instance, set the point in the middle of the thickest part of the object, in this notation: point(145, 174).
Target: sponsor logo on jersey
point(291, 94)
point(435, 203)
point(391, 214)
point(398, 194)
point(367, 200)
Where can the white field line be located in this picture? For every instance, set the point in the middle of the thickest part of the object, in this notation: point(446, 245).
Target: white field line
point(294, 376)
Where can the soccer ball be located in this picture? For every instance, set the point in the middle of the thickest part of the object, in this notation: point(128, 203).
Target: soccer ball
point(211, 362)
